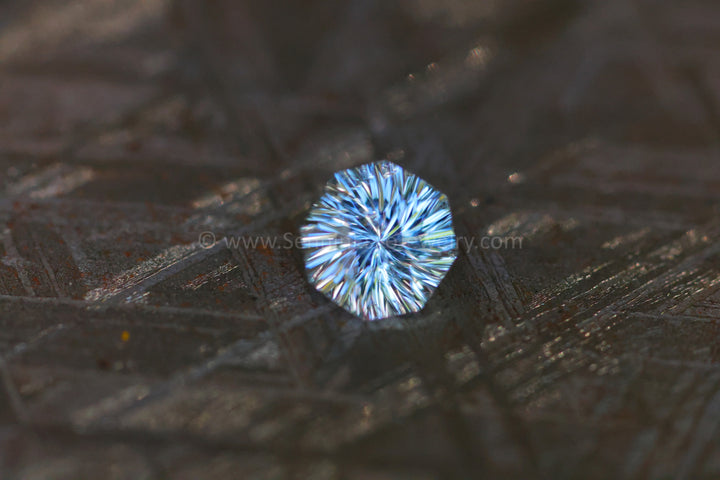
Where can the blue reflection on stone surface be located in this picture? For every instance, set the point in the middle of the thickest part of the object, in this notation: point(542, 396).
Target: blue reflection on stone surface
point(379, 240)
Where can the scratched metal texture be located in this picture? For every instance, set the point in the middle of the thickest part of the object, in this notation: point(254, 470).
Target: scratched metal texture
point(590, 129)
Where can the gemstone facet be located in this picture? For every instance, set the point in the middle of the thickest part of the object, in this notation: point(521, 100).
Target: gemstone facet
point(379, 241)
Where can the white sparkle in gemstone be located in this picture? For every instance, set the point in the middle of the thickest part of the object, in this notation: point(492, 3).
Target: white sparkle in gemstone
point(379, 241)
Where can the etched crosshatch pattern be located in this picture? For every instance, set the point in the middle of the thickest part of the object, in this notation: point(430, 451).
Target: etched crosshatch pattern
point(145, 145)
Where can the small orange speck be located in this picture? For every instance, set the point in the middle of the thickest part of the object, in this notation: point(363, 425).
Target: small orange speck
point(516, 178)
point(125, 336)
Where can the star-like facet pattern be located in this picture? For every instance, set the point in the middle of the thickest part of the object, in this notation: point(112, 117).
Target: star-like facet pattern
point(379, 240)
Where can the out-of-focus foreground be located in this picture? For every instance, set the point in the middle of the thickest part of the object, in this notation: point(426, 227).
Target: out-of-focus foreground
point(128, 350)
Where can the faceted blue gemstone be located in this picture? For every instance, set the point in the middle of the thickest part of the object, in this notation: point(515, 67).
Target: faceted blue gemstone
point(379, 241)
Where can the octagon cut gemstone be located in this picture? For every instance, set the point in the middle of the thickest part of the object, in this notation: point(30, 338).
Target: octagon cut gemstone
point(379, 240)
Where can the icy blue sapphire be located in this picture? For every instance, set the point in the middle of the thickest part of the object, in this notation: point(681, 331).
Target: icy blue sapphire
point(379, 241)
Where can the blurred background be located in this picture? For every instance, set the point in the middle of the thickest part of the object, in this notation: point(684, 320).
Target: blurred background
point(129, 350)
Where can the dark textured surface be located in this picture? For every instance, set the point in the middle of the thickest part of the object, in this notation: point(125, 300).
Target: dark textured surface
point(591, 129)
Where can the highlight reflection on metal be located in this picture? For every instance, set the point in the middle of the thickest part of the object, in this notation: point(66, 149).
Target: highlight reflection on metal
point(379, 240)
